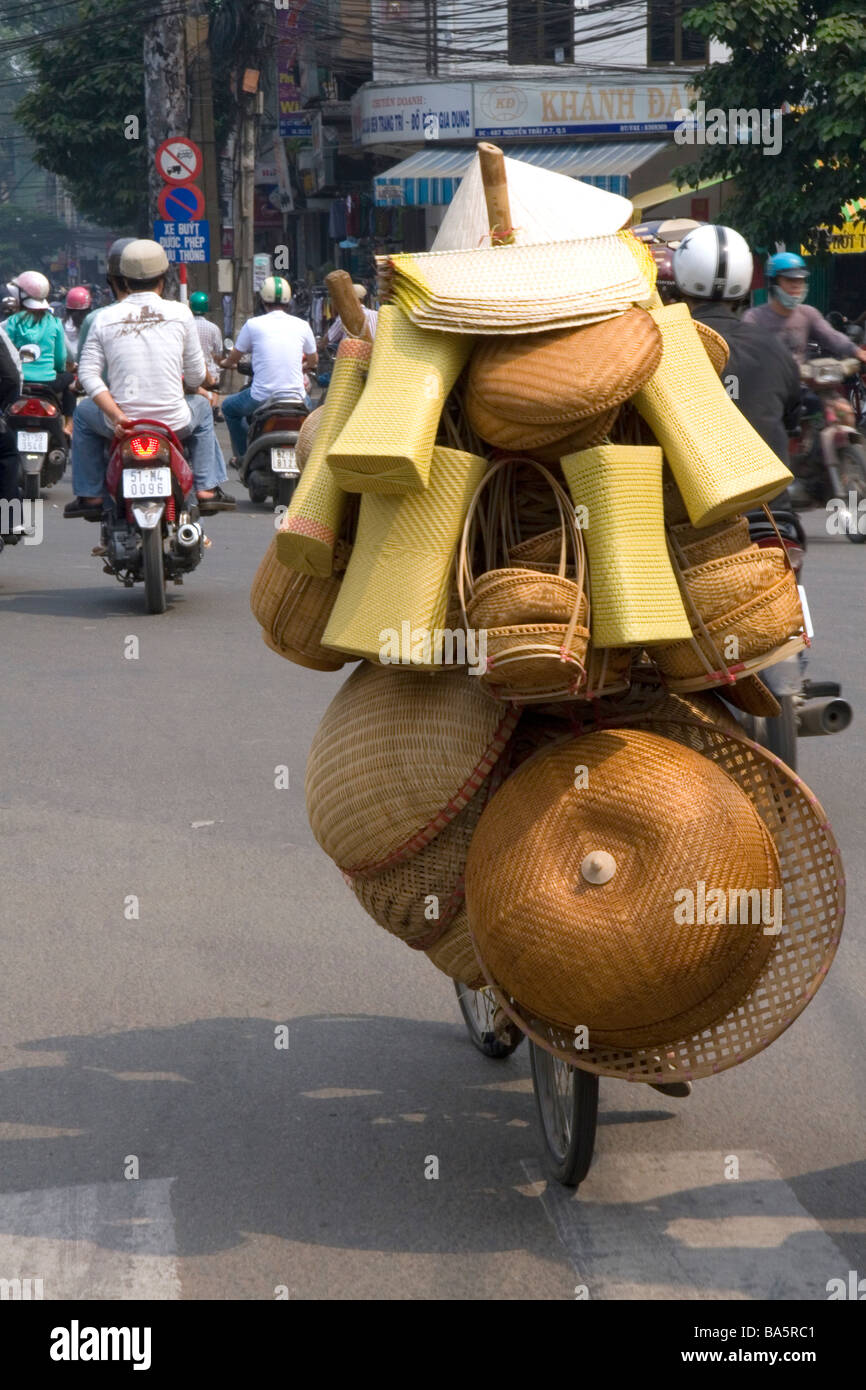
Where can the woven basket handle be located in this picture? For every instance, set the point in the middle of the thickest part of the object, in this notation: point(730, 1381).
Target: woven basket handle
point(465, 577)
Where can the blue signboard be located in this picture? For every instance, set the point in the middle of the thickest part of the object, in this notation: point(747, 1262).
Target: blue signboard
point(186, 242)
point(295, 127)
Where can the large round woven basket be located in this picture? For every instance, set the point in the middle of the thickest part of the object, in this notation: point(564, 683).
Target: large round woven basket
point(724, 538)
point(576, 877)
point(813, 888)
point(398, 754)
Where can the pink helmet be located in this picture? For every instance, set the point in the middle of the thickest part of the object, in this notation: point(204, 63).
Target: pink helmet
point(34, 289)
point(79, 298)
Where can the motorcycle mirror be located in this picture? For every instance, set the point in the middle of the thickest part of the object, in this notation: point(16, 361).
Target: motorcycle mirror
point(30, 352)
point(228, 344)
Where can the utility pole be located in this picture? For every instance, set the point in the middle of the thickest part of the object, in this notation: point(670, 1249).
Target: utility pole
point(165, 89)
point(202, 131)
point(244, 230)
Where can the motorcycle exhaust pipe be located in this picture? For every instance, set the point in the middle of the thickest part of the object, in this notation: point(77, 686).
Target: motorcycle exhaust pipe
point(188, 535)
point(827, 716)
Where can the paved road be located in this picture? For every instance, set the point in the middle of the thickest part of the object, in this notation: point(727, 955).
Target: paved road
point(148, 1044)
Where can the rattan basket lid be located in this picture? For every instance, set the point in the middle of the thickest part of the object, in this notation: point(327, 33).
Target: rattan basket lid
point(396, 756)
point(587, 882)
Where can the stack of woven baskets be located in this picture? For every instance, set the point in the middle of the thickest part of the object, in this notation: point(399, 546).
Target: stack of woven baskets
point(521, 511)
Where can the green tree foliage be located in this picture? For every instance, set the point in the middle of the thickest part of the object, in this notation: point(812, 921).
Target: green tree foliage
point(85, 84)
point(29, 240)
point(810, 54)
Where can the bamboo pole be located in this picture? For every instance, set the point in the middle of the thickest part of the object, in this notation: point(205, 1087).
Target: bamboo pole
point(345, 302)
point(496, 194)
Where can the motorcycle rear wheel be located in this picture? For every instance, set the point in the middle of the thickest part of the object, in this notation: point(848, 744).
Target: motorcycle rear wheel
point(154, 571)
point(31, 487)
point(852, 475)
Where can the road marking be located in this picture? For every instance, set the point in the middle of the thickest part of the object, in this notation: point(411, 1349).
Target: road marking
point(671, 1226)
point(112, 1240)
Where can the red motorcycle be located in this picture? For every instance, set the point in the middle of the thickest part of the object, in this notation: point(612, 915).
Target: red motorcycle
point(150, 525)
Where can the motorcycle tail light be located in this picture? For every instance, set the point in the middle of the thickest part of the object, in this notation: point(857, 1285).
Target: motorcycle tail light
point(145, 446)
point(33, 406)
point(794, 550)
point(284, 422)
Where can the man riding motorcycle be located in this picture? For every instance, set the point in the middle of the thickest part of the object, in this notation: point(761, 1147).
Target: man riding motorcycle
point(148, 348)
point(712, 269)
point(786, 315)
point(281, 346)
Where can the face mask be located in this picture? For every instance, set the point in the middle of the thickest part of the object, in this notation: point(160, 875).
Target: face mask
point(789, 301)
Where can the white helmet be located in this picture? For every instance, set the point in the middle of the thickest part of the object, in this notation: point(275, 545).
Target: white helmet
point(33, 288)
point(713, 263)
point(276, 290)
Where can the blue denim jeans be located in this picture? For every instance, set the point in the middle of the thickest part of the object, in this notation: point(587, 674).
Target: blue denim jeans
point(236, 410)
point(90, 456)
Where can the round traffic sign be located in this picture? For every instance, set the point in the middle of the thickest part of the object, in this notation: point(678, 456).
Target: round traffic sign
point(178, 159)
point(182, 204)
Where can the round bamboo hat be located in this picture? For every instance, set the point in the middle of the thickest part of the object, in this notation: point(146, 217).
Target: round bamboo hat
point(813, 910)
point(578, 881)
point(397, 755)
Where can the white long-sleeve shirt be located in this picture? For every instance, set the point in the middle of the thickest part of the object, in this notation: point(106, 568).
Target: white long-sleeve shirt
point(145, 347)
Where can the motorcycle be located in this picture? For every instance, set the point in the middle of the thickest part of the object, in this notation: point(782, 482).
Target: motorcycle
point(827, 452)
point(36, 419)
point(150, 525)
point(269, 468)
point(808, 708)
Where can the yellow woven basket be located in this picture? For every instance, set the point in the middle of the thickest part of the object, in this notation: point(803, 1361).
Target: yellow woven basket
point(635, 596)
point(398, 578)
point(721, 465)
point(387, 445)
point(309, 531)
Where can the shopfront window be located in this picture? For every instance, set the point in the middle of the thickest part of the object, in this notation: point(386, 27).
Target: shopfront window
point(540, 31)
point(668, 41)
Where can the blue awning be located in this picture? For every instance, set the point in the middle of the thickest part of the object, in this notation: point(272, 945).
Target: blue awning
point(431, 177)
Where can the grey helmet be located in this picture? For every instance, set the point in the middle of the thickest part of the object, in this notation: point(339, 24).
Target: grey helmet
point(115, 251)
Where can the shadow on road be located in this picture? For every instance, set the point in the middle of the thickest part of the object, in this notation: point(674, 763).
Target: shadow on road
point(324, 1142)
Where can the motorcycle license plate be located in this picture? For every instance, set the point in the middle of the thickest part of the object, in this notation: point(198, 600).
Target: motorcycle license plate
point(146, 482)
point(33, 443)
point(283, 461)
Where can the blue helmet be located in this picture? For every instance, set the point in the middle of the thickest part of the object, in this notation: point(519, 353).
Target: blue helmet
point(787, 263)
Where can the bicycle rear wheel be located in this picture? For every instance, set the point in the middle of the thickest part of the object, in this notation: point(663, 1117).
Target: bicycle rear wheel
point(567, 1101)
point(478, 1007)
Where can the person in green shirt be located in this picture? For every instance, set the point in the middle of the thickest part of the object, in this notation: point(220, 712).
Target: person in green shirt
point(36, 327)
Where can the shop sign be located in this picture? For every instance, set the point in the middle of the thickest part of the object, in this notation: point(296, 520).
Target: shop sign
point(540, 107)
point(389, 115)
